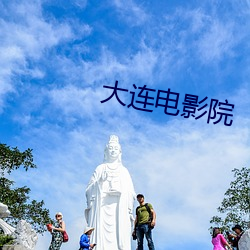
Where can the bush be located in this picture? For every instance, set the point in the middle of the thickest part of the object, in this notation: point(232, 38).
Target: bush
point(6, 240)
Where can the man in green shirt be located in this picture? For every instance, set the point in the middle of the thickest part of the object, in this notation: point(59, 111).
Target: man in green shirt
point(144, 223)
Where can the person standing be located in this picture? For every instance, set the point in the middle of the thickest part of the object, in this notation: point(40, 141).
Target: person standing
point(218, 240)
point(56, 231)
point(143, 225)
point(85, 239)
point(239, 231)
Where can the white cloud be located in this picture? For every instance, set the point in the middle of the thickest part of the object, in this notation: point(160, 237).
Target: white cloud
point(106, 67)
point(131, 12)
point(109, 68)
point(217, 42)
point(143, 63)
point(198, 20)
point(201, 34)
point(80, 3)
point(85, 103)
point(32, 33)
point(241, 99)
point(25, 35)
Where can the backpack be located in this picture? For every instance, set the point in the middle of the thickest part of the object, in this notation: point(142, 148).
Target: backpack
point(149, 212)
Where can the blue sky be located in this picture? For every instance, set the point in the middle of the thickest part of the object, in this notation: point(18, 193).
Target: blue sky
point(56, 57)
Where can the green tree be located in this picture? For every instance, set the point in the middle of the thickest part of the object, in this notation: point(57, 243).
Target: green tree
point(235, 206)
point(17, 199)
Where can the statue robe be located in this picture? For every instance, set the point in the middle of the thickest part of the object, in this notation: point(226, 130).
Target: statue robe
point(244, 242)
point(110, 197)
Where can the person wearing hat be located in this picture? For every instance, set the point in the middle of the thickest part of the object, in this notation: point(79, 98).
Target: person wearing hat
point(84, 240)
point(56, 231)
point(239, 231)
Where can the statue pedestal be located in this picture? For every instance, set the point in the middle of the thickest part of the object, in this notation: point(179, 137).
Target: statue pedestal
point(13, 247)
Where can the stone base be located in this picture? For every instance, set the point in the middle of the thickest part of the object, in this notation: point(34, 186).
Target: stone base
point(13, 247)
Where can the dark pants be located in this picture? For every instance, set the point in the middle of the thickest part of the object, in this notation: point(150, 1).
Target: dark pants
point(142, 230)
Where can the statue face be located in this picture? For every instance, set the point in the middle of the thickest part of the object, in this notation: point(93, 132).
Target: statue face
point(114, 150)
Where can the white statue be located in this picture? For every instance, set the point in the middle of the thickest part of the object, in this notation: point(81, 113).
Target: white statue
point(110, 197)
point(4, 212)
point(244, 242)
point(25, 235)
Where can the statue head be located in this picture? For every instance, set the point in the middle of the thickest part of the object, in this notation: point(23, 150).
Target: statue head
point(4, 211)
point(113, 150)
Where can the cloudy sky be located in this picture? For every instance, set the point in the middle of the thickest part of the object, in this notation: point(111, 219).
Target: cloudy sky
point(181, 110)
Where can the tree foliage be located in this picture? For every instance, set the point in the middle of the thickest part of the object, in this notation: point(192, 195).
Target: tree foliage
point(17, 199)
point(12, 159)
point(235, 206)
point(6, 239)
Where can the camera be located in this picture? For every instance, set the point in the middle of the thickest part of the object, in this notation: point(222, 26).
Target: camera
point(134, 235)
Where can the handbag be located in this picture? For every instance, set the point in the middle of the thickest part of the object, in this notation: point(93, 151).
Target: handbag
point(65, 236)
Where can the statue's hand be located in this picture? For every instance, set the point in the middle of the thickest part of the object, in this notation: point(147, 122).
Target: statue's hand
point(104, 176)
point(89, 205)
point(132, 217)
point(90, 201)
